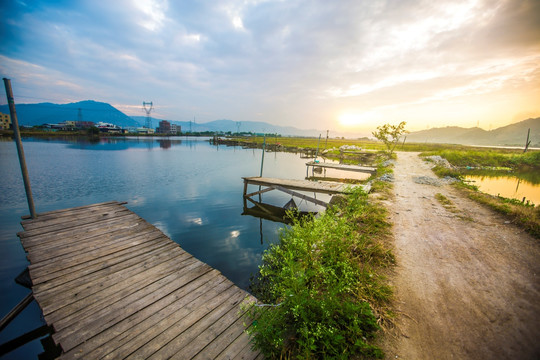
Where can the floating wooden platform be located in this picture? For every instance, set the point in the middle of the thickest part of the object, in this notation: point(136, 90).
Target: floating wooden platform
point(363, 169)
point(114, 286)
point(289, 186)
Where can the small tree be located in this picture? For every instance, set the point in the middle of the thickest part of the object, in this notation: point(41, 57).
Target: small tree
point(390, 135)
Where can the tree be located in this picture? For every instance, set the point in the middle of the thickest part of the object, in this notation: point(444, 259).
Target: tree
point(390, 135)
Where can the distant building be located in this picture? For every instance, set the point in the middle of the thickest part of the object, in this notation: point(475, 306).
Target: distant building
point(5, 121)
point(84, 124)
point(165, 127)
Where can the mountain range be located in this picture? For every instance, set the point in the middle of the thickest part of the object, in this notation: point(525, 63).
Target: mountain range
point(89, 110)
point(510, 135)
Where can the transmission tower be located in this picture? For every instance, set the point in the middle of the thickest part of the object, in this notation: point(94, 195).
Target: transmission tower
point(148, 106)
point(238, 123)
point(79, 116)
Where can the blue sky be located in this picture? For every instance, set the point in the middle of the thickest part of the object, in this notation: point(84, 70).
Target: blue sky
point(347, 65)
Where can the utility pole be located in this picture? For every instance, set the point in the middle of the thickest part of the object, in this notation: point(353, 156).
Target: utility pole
point(20, 150)
point(326, 142)
point(148, 110)
point(527, 143)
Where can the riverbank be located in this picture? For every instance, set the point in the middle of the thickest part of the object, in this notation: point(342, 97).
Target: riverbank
point(466, 277)
point(324, 284)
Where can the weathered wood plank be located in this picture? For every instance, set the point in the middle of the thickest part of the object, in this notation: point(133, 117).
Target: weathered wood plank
point(51, 288)
point(59, 217)
point(147, 342)
point(53, 277)
point(33, 229)
point(113, 337)
point(326, 187)
point(215, 328)
point(112, 285)
point(90, 244)
point(222, 340)
point(102, 320)
point(52, 302)
point(70, 230)
point(174, 349)
point(345, 167)
point(62, 211)
point(164, 337)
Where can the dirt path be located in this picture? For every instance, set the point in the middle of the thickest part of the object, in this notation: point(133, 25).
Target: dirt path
point(467, 281)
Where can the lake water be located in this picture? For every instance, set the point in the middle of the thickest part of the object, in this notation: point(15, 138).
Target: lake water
point(508, 186)
point(189, 189)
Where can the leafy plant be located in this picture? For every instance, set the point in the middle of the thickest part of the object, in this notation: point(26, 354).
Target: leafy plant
point(390, 135)
point(323, 280)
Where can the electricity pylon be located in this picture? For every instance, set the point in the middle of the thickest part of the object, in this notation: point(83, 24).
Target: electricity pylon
point(148, 110)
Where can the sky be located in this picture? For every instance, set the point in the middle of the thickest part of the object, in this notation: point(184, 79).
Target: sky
point(344, 66)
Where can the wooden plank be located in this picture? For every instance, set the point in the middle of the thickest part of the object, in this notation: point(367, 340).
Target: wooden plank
point(147, 342)
point(215, 328)
point(42, 236)
point(84, 330)
point(46, 252)
point(221, 341)
point(53, 301)
point(161, 338)
point(259, 192)
point(64, 261)
point(34, 228)
point(74, 209)
point(174, 349)
point(50, 219)
point(86, 309)
point(345, 167)
point(326, 187)
point(84, 279)
point(247, 353)
point(111, 285)
point(234, 348)
point(67, 273)
point(113, 337)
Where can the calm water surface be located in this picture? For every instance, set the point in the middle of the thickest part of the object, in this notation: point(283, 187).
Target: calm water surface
point(507, 186)
point(189, 189)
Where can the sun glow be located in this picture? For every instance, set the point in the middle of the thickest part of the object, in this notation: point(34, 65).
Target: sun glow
point(353, 119)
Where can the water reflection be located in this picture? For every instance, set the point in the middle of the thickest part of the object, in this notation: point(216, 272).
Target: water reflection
point(507, 186)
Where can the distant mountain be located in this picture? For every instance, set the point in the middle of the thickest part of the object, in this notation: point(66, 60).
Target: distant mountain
point(48, 113)
point(510, 135)
point(232, 126)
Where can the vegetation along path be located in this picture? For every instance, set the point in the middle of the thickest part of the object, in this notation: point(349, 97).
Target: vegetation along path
point(467, 280)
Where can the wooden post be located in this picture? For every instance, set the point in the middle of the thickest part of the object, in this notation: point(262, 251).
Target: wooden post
point(527, 143)
point(262, 158)
point(318, 142)
point(20, 150)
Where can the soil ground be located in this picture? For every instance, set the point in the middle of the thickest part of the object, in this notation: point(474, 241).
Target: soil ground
point(466, 281)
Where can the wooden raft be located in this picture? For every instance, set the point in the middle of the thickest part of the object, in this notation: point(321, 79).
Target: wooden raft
point(289, 186)
point(113, 286)
point(345, 167)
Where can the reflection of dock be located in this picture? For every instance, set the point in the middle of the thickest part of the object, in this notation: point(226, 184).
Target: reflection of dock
point(292, 186)
point(363, 169)
point(271, 212)
point(112, 285)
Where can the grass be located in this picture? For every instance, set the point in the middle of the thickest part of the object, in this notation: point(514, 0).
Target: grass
point(524, 215)
point(451, 207)
point(325, 279)
point(489, 158)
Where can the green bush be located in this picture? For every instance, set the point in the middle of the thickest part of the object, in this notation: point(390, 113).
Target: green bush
point(323, 280)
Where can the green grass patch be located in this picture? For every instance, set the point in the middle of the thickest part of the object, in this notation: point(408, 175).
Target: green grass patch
point(489, 158)
point(325, 278)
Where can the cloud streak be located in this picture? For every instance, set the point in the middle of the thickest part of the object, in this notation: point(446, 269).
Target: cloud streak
point(307, 64)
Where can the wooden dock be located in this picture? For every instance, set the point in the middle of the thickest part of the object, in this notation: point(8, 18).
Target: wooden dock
point(292, 187)
point(345, 167)
point(113, 286)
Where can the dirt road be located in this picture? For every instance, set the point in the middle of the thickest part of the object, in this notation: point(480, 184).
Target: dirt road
point(466, 281)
